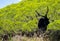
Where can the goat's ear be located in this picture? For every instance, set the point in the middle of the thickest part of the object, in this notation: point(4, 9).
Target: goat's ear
point(52, 20)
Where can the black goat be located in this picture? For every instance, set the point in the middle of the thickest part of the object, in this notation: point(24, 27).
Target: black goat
point(43, 22)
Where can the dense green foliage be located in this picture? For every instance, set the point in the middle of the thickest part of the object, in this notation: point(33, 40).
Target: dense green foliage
point(22, 16)
point(54, 25)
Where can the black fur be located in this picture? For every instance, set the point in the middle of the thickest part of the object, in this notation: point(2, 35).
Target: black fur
point(43, 22)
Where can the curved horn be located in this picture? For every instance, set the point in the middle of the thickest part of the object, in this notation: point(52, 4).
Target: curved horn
point(47, 12)
point(38, 13)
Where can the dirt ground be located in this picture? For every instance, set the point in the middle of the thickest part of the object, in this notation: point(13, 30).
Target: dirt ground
point(24, 38)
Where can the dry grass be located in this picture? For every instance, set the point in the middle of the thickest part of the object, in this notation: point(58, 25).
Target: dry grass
point(24, 38)
point(48, 36)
